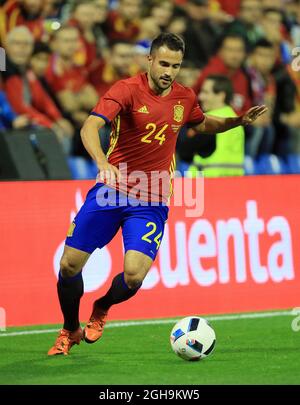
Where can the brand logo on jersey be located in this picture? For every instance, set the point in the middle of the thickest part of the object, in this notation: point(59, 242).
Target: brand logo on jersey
point(143, 110)
point(178, 112)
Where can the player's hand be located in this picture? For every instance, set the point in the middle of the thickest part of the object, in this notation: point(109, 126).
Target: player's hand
point(108, 173)
point(251, 115)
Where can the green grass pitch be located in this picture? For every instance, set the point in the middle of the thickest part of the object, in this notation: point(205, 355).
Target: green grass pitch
point(248, 351)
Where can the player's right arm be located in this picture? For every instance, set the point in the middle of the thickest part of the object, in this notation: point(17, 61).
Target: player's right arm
point(116, 99)
point(91, 141)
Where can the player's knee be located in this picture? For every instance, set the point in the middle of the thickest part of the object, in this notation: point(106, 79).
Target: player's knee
point(134, 275)
point(133, 281)
point(68, 269)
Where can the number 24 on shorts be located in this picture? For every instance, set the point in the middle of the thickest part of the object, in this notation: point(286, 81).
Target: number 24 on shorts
point(147, 235)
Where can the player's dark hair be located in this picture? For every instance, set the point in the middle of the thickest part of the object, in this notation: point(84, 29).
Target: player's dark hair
point(222, 84)
point(171, 41)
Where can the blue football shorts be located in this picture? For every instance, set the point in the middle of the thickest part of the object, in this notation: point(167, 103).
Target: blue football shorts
point(105, 210)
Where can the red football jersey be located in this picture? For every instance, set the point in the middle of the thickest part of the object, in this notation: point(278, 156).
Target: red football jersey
point(144, 133)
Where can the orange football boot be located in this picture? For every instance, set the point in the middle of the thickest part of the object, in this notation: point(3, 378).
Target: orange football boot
point(94, 328)
point(65, 341)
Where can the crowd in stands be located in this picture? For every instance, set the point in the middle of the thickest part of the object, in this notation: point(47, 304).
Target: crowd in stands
point(61, 56)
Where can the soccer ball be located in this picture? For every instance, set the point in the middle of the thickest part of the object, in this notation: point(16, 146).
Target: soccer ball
point(193, 338)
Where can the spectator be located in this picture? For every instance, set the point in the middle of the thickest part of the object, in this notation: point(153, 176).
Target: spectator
point(229, 62)
point(124, 23)
point(102, 10)
point(285, 105)
point(178, 24)
point(276, 33)
point(70, 82)
point(83, 18)
point(24, 91)
point(292, 119)
point(141, 54)
point(188, 74)
point(39, 63)
point(230, 6)
point(149, 29)
point(201, 32)
point(53, 9)
point(275, 4)
point(40, 58)
point(221, 154)
point(295, 29)
point(117, 66)
point(162, 12)
point(22, 12)
point(217, 13)
point(261, 62)
point(101, 15)
point(246, 23)
point(274, 30)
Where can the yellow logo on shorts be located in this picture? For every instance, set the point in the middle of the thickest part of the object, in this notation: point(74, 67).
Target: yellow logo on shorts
point(178, 112)
point(71, 230)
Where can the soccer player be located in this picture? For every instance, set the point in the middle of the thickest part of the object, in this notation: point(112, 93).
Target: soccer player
point(146, 112)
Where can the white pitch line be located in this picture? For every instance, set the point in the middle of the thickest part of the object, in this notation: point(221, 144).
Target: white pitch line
point(161, 322)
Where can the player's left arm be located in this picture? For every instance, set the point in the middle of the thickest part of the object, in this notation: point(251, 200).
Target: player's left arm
point(215, 125)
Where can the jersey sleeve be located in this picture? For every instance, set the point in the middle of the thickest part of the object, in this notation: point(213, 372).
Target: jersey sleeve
point(115, 100)
point(196, 115)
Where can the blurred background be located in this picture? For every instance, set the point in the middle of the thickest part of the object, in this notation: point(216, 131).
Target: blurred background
point(242, 255)
point(61, 56)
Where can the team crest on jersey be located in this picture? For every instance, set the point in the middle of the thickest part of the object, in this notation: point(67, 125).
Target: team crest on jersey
point(178, 112)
